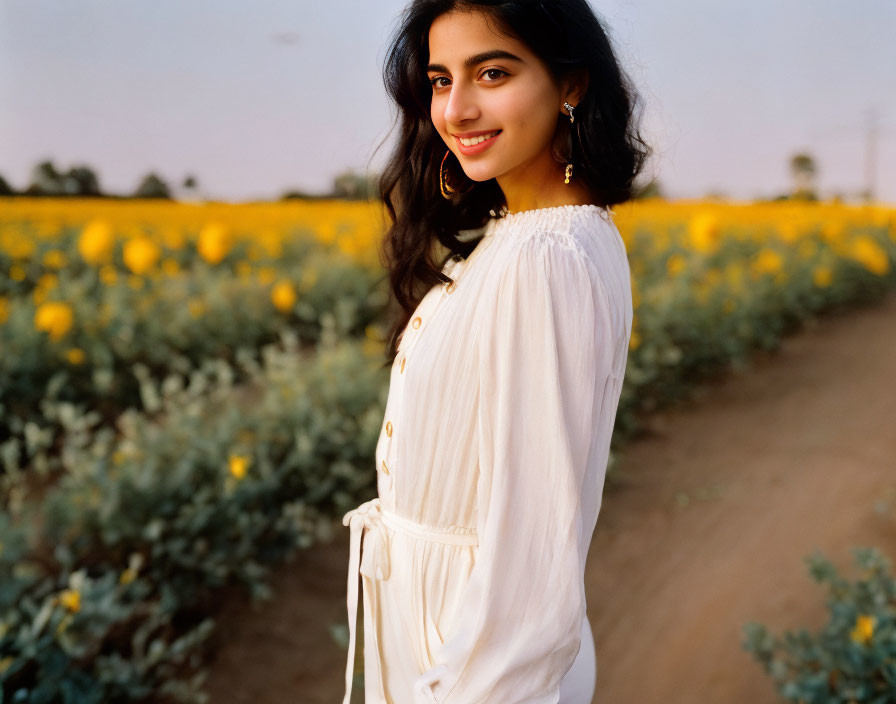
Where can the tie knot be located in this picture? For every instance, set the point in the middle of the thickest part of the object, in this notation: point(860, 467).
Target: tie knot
point(367, 517)
point(368, 513)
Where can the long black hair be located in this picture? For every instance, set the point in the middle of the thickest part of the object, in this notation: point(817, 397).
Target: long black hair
point(607, 149)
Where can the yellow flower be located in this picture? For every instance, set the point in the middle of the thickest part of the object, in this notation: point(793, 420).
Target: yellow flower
point(71, 599)
point(789, 231)
point(54, 317)
point(4, 309)
point(127, 576)
point(822, 276)
point(635, 340)
point(871, 255)
point(214, 242)
point(283, 296)
point(75, 355)
point(266, 274)
point(96, 242)
point(54, 259)
point(42, 289)
point(704, 232)
point(197, 307)
point(140, 254)
point(675, 264)
point(243, 270)
point(108, 274)
point(270, 243)
point(768, 262)
point(807, 249)
point(170, 266)
point(832, 231)
point(17, 272)
point(863, 630)
point(238, 465)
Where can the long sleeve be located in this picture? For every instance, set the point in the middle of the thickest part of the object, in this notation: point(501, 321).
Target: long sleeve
point(544, 348)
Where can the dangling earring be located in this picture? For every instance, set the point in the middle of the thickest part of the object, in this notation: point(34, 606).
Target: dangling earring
point(569, 108)
point(448, 191)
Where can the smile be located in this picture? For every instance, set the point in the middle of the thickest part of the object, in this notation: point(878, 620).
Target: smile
point(475, 145)
point(476, 140)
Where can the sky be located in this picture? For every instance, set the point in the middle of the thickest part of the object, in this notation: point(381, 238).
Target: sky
point(262, 97)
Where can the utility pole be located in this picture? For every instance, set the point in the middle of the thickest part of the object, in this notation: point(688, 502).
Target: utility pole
point(871, 135)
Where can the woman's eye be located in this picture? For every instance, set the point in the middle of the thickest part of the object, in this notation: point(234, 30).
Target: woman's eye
point(435, 81)
point(494, 70)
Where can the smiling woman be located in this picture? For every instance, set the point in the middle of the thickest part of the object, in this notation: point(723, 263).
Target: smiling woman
point(507, 364)
point(512, 90)
point(460, 70)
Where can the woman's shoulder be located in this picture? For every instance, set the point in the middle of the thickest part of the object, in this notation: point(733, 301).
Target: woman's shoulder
point(586, 234)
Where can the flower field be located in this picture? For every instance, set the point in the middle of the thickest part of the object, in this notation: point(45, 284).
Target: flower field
point(191, 393)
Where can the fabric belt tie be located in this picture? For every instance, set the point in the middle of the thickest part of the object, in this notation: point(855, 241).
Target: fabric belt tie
point(375, 563)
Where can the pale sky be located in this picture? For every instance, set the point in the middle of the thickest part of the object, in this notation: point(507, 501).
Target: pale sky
point(258, 97)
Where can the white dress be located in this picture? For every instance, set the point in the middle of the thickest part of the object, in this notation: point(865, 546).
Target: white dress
point(491, 466)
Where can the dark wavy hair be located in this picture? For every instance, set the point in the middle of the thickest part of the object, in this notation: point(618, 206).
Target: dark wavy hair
point(607, 149)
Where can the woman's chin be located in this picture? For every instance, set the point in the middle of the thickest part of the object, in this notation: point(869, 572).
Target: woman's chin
point(480, 175)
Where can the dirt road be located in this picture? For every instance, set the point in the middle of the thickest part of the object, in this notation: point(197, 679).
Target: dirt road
point(705, 528)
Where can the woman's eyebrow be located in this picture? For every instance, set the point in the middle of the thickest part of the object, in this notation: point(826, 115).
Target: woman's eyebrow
point(478, 59)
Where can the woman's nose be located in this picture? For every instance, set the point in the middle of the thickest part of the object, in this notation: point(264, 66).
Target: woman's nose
point(461, 105)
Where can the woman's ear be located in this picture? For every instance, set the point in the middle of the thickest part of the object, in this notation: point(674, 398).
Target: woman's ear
point(575, 85)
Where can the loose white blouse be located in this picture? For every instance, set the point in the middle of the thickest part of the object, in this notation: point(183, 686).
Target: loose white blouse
point(491, 465)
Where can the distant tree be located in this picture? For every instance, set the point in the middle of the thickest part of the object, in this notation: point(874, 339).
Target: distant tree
point(152, 186)
point(45, 180)
point(803, 169)
point(5, 188)
point(297, 194)
point(650, 189)
point(81, 180)
point(190, 186)
point(355, 186)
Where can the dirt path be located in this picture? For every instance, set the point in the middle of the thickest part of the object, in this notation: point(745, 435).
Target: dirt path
point(706, 527)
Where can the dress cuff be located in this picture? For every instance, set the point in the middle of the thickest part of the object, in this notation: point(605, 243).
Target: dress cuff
point(423, 693)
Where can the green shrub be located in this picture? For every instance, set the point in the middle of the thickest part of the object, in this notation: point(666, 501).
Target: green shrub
point(850, 660)
point(110, 591)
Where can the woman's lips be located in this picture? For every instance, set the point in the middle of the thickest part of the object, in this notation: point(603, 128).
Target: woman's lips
point(476, 148)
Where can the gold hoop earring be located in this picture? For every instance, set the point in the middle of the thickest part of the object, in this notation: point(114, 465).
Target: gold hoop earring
point(568, 174)
point(449, 191)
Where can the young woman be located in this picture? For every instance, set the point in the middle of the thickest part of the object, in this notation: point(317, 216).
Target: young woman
point(516, 136)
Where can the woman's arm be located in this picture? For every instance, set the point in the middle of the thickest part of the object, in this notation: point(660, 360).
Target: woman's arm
point(544, 346)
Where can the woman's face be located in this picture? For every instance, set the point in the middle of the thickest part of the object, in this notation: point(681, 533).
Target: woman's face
point(503, 87)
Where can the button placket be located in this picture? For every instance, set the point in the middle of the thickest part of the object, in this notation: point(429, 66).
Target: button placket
point(424, 314)
point(388, 460)
point(385, 464)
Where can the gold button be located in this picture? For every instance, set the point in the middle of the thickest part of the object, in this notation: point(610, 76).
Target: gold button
point(389, 428)
point(402, 365)
point(385, 467)
point(449, 287)
point(416, 322)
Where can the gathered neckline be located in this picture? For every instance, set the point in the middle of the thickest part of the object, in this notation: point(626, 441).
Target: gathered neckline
point(573, 206)
point(541, 217)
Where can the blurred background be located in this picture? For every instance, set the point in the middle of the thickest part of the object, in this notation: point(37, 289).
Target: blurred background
point(192, 333)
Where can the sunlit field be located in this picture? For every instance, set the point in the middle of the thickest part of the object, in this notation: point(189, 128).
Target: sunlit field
point(189, 393)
